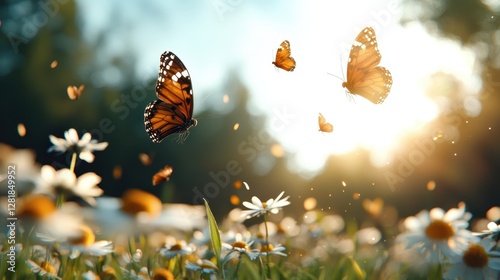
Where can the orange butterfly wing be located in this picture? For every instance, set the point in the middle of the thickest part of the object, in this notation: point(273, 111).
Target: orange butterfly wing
point(283, 59)
point(173, 111)
point(323, 125)
point(364, 76)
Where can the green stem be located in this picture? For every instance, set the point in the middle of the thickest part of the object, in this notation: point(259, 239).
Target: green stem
point(237, 266)
point(73, 163)
point(60, 200)
point(267, 247)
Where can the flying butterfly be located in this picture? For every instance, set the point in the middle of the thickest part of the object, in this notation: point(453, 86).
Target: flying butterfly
point(162, 175)
point(173, 111)
point(75, 92)
point(364, 76)
point(283, 59)
point(323, 125)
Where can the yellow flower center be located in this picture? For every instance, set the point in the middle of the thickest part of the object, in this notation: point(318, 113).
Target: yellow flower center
point(267, 248)
point(86, 237)
point(439, 230)
point(475, 256)
point(264, 205)
point(162, 274)
point(37, 207)
point(240, 244)
point(108, 274)
point(136, 201)
point(176, 247)
point(48, 267)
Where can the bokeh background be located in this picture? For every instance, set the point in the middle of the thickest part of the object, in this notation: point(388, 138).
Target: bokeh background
point(434, 142)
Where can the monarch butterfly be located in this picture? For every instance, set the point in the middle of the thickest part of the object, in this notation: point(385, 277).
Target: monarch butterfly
point(75, 92)
point(162, 175)
point(283, 59)
point(173, 111)
point(323, 125)
point(364, 77)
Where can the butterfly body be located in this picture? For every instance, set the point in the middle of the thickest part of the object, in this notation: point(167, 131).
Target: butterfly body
point(173, 111)
point(283, 59)
point(364, 76)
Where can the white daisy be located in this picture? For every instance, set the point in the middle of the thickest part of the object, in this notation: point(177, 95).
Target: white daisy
point(64, 182)
point(177, 248)
point(493, 229)
point(204, 266)
point(437, 234)
point(258, 208)
point(477, 262)
point(80, 241)
point(27, 171)
point(83, 147)
point(44, 270)
point(269, 249)
point(239, 247)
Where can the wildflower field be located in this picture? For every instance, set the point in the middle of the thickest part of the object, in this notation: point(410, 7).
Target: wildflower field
point(249, 140)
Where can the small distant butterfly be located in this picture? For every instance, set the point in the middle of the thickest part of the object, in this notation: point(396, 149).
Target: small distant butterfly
point(323, 125)
point(283, 59)
point(364, 77)
point(162, 175)
point(75, 92)
point(173, 111)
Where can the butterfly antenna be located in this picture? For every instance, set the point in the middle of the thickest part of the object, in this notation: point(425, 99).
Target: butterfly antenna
point(206, 97)
point(335, 76)
point(211, 115)
point(341, 68)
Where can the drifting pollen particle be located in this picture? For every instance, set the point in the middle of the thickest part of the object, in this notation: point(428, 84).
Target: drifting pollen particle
point(237, 184)
point(234, 199)
point(277, 151)
point(236, 126)
point(431, 185)
point(455, 154)
point(117, 172)
point(356, 195)
point(145, 159)
point(489, 128)
point(225, 99)
point(21, 129)
point(53, 64)
point(310, 203)
point(438, 136)
point(344, 184)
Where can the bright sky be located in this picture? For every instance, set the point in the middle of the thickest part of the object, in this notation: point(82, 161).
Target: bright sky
point(216, 37)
